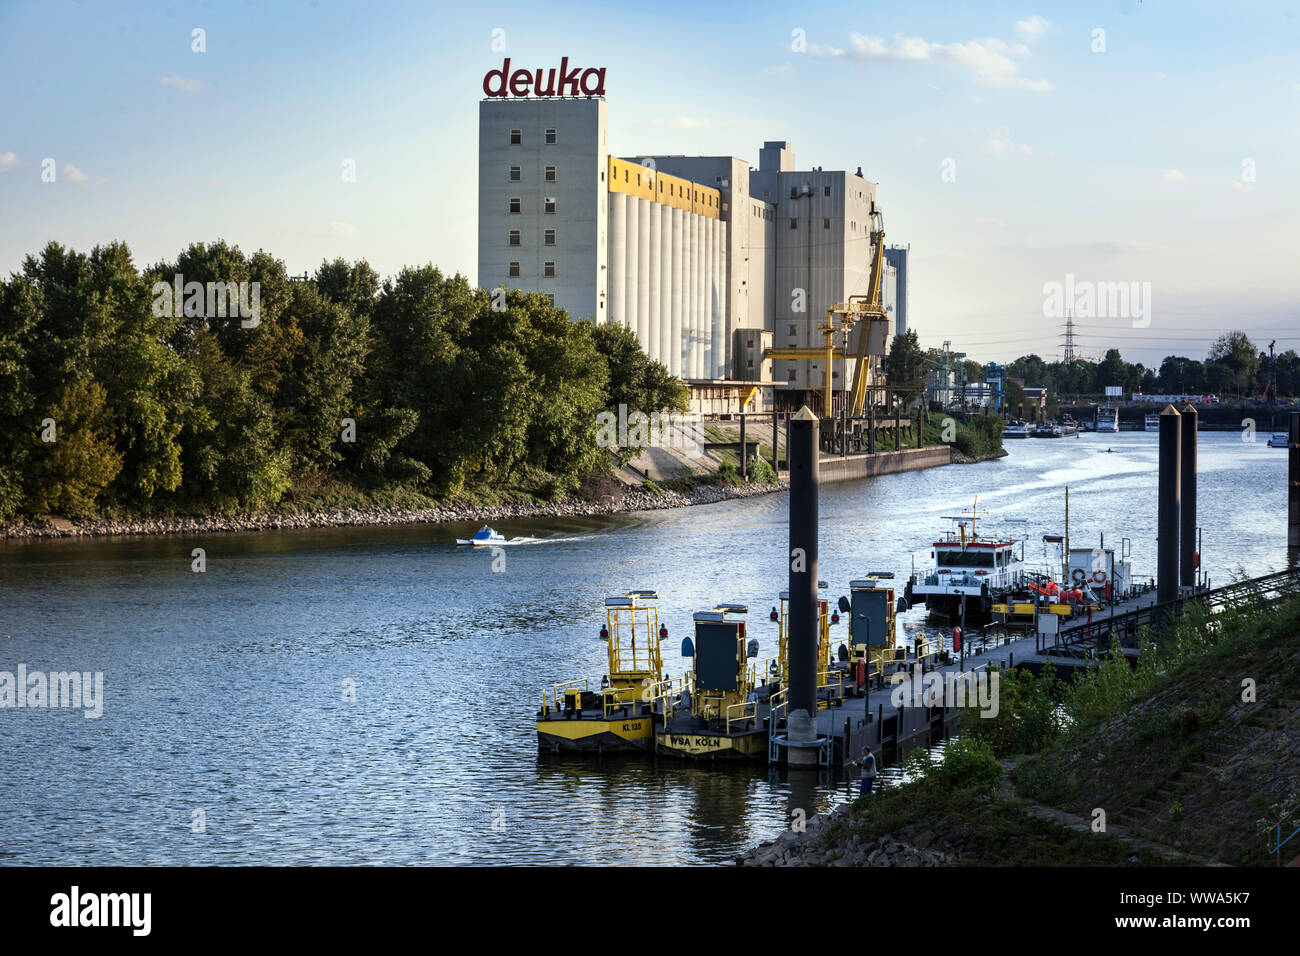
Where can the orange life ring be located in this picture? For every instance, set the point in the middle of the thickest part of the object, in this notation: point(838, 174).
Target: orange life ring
point(1079, 574)
point(1099, 577)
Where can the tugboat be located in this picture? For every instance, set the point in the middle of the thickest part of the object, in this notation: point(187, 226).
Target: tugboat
point(969, 569)
point(1046, 430)
point(483, 536)
point(1151, 423)
point(1279, 440)
point(620, 716)
point(723, 715)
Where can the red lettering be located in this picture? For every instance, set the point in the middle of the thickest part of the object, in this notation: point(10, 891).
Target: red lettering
point(520, 81)
point(503, 72)
point(569, 78)
point(599, 88)
point(571, 82)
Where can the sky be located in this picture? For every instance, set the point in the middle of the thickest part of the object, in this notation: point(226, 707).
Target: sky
point(1014, 146)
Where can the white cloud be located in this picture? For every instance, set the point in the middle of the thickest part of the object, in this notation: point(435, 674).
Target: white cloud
point(999, 144)
point(1034, 27)
point(182, 83)
point(785, 69)
point(992, 61)
point(9, 161)
point(74, 175)
point(1174, 176)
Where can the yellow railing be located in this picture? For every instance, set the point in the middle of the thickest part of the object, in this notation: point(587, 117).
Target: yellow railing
point(748, 711)
point(557, 693)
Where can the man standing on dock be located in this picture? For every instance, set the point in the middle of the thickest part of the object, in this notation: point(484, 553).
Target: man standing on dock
point(868, 765)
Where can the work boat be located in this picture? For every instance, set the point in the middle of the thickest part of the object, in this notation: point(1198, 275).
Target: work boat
point(483, 536)
point(619, 715)
point(1015, 429)
point(1108, 420)
point(1279, 440)
point(969, 569)
point(1151, 423)
point(722, 713)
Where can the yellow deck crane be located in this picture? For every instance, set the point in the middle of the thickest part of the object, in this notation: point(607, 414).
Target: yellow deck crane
point(864, 312)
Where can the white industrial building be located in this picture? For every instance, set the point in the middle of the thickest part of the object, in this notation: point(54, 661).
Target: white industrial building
point(694, 254)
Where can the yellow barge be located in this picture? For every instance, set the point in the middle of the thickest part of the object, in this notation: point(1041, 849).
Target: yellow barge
point(619, 715)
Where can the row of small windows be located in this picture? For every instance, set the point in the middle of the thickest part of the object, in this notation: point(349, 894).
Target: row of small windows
point(549, 137)
point(517, 174)
point(696, 195)
point(826, 224)
point(548, 272)
point(515, 238)
point(516, 205)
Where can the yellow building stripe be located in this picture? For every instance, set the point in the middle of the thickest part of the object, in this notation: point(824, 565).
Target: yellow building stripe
point(643, 182)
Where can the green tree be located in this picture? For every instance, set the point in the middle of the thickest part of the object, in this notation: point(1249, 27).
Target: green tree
point(73, 469)
point(905, 364)
point(1237, 356)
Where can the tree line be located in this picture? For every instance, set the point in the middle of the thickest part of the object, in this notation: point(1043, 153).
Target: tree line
point(116, 399)
point(1233, 367)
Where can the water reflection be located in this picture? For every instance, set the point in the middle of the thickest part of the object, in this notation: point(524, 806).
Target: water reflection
point(223, 690)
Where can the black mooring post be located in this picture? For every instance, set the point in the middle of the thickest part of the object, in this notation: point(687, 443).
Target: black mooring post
point(744, 462)
point(871, 423)
point(1293, 488)
point(776, 437)
point(801, 646)
point(1167, 514)
point(1187, 482)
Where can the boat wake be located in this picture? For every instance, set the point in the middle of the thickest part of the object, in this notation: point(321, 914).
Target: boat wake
point(526, 539)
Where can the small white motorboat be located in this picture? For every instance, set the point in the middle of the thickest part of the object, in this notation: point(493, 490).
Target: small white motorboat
point(484, 536)
point(1279, 440)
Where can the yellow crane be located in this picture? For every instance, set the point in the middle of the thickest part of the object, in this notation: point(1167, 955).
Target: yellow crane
point(864, 312)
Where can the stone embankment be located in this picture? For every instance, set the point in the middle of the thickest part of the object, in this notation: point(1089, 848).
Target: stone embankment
point(634, 499)
point(830, 840)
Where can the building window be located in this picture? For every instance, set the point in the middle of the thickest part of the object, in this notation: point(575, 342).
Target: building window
point(638, 179)
point(516, 137)
point(550, 298)
point(791, 376)
point(515, 205)
point(548, 270)
point(826, 190)
point(514, 237)
point(550, 137)
point(550, 174)
point(794, 223)
point(549, 205)
point(515, 174)
point(548, 237)
point(514, 270)
point(826, 223)
point(794, 329)
point(750, 363)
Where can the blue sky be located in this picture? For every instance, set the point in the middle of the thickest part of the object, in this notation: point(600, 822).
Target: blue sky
point(1122, 165)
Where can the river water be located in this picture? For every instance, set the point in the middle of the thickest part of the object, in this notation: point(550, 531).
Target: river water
point(226, 737)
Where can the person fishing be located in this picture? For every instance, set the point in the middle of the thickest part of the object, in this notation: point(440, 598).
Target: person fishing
point(868, 765)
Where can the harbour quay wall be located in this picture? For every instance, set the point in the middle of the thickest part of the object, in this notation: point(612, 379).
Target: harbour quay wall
point(883, 463)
